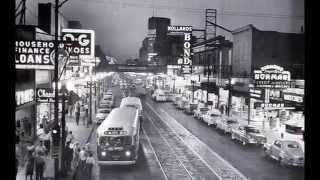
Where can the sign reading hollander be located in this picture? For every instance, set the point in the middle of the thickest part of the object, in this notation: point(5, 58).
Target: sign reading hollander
point(185, 62)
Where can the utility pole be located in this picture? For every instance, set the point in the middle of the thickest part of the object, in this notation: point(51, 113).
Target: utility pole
point(56, 74)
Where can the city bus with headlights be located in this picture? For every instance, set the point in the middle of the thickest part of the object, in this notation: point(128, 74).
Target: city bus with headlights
point(118, 137)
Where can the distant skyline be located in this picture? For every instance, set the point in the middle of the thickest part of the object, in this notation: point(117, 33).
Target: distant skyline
point(121, 25)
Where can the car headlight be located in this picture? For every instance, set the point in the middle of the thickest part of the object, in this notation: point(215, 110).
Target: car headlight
point(103, 153)
point(128, 153)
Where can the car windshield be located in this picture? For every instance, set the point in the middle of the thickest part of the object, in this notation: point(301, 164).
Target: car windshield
point(118, 141)
point(252, 130)
point(204, 109)
point(214, 115)
point(231, 122)
point(293, 146)
point(103, 111)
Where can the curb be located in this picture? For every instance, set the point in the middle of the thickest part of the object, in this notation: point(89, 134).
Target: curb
point(89, 137)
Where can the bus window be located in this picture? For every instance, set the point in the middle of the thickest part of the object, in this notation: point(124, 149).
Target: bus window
point(115, 141)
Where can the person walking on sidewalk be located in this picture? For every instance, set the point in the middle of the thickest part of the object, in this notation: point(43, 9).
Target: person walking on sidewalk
point(87, 114)
point(77, 112)
point(69, 156)
point(70, 137)
point(30, 165)
point(89, 165)
point(76, 156)
point(40, 148)
point(40, 166)
point(82, 156)
point(47, 141)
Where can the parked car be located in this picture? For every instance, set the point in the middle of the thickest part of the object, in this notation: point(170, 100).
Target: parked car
point(182, 103)
point(101, 115)
point(287, 152)
point(177, 98)
point(169, 95)
point(248, 134)
point(199, 112)
point(211, 117)
point(190, 107)
point(159, 95)
point(226, 124)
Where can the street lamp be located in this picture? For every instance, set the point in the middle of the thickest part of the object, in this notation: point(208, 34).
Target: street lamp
point(174, 83)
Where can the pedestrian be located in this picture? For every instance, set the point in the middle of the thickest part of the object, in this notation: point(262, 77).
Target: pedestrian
point(89, 165)
point(17, 166)
point(82, 156)
point(77, 113)
point(76, 157)
point(70, 137)
point(40, 165)
point(83, 115)
point(30, 165)
point(69, 156)
point(47, 141)
point(87, 115)
point(87, 148)
point(40, 148)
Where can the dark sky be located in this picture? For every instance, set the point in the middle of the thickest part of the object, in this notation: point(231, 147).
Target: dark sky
point(121, 25)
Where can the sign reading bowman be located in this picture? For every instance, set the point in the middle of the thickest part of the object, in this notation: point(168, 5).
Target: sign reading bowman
point(272, 76)
point(185, 62)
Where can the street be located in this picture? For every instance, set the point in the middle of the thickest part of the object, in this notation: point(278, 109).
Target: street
point(190, 153)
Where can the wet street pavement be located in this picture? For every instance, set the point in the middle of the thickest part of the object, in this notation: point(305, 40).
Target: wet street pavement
point(174, 145)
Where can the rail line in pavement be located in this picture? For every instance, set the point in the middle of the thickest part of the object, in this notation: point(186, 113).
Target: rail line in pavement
point(222, 168)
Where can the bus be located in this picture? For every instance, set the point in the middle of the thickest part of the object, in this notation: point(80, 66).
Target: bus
point(132, 102)
point(118, 137)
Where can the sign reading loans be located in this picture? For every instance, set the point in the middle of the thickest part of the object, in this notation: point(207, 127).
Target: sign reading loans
point(79, 42)
point(272, 76)
point(34, 54)
point(185, 62)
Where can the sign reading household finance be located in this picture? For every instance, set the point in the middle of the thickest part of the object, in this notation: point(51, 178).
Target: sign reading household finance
point(39, 54)
point(185, 62)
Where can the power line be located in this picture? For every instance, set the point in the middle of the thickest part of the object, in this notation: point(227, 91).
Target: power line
point(197, 11)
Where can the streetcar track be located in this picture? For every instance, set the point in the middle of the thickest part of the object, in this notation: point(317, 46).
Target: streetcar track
point(171, 164)
point(154, 152)
point(179, 159)
point(220, 158)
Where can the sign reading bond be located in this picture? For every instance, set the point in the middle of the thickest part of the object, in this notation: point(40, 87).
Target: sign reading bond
point(185, 62)
point(272, 76)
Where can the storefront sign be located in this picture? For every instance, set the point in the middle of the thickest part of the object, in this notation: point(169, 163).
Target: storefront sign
point(255, 93)
point(272, 76)
point(270, 106)
point(25, 96)
point(34, 54)
point(79, 42)
point(185, 62)
point(294, 98)
point(44, 95)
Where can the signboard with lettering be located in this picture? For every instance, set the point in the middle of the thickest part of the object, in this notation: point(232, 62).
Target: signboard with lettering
point(272, 76)
point(292, 97)
point(34, 54)
point(271, 106)
point(25, 96)
point(185, 61)
point(44, 95)
point(79, 42)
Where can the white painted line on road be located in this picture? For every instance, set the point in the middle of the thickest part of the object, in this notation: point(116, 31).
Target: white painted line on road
point(181, 126)
point(189, 173)
point(144, 132)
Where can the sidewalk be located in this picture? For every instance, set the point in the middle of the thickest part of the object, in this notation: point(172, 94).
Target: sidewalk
point(81, 133)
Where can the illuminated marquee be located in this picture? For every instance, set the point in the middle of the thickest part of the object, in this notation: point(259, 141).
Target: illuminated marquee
point(272, 76)
point(185, 62)
point(25, 96)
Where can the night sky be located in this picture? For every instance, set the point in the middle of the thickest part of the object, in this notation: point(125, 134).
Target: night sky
point(121, 25)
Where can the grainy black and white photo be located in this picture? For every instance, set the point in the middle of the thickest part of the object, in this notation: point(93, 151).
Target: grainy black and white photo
point(159, 89)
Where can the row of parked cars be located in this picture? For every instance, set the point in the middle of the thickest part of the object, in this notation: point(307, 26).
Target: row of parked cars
point(105, 106)
point(285, 151)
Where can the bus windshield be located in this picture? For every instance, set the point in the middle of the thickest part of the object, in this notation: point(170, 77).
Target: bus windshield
point(111, 141)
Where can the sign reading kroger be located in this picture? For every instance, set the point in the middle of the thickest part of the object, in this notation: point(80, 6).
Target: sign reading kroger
point(272, 76)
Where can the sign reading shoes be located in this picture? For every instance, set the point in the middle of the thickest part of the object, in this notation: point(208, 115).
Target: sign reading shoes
point(79, 42)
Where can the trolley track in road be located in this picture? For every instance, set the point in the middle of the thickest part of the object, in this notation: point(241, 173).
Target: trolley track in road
point(191, 163)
